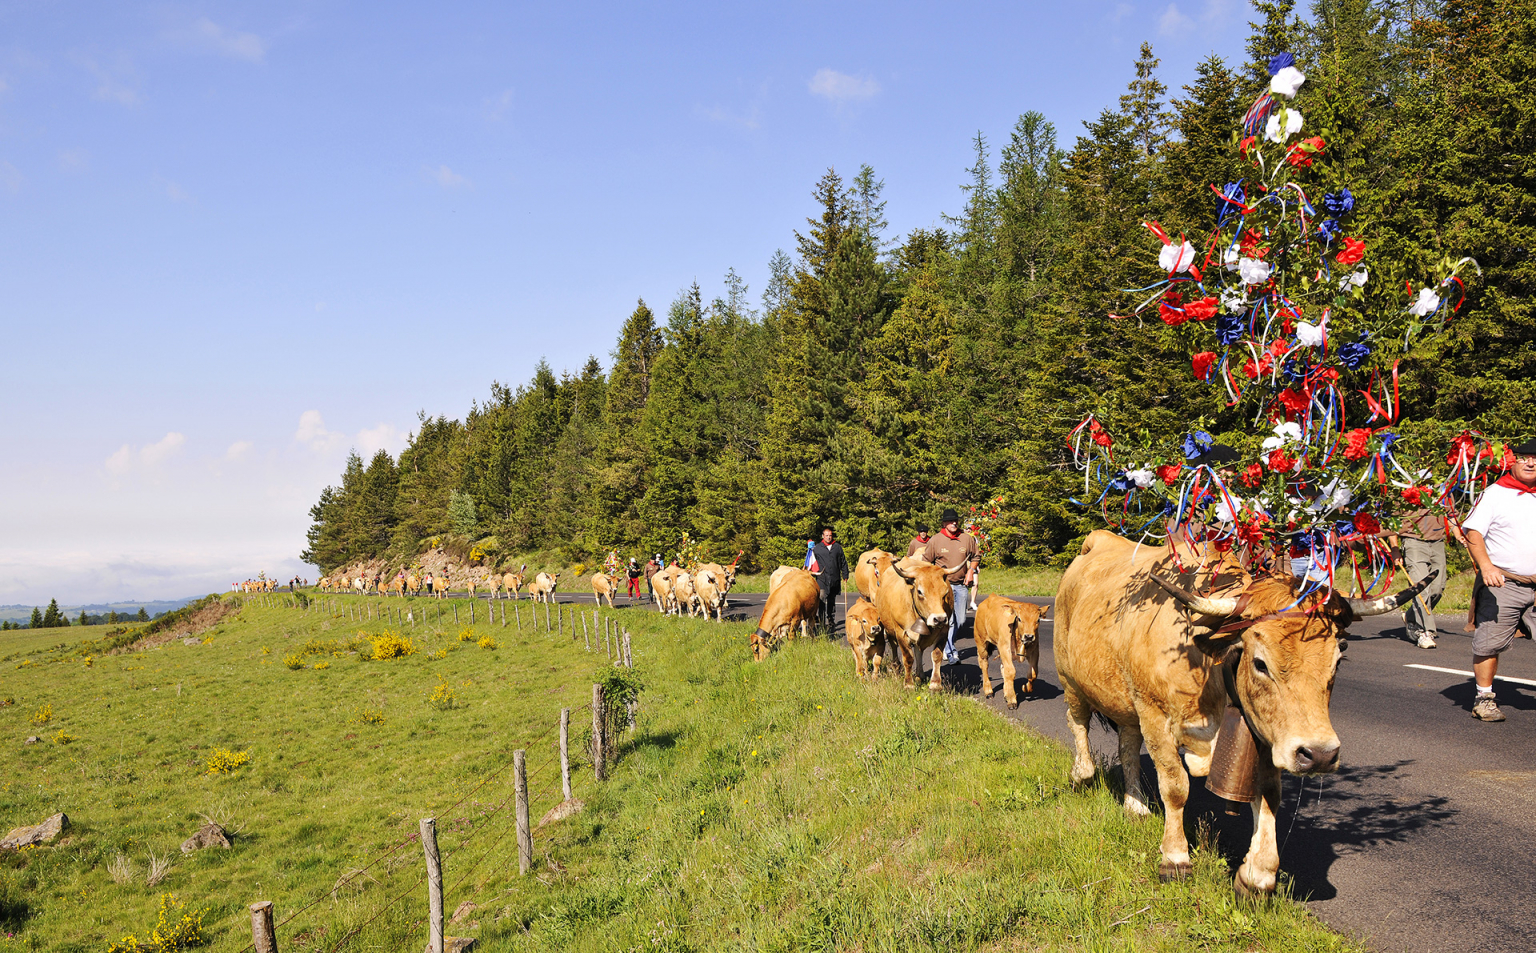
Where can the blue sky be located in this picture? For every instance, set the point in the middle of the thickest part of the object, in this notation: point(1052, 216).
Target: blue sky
point(238, 240)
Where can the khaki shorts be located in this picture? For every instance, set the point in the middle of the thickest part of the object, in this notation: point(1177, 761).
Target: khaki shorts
point(1501, 613)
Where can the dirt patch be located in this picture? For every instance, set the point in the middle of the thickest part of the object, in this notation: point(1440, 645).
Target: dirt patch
point(195, 623)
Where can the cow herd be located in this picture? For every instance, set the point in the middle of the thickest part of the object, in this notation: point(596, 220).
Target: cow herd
point(1185, 650)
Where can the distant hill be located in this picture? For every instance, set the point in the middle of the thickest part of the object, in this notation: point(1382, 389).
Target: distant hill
point(19, 613)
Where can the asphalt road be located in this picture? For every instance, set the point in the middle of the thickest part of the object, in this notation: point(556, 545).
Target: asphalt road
point(1422, 840)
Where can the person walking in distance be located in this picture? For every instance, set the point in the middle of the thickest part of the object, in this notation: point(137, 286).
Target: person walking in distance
point(827, 556)
point(652, 567)
point(958, 553)
point(633, 572)
point(920, 541)
point(1501, 534)
point(1420, 550)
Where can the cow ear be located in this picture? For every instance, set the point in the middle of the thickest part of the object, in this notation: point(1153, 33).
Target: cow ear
point(1217, 646)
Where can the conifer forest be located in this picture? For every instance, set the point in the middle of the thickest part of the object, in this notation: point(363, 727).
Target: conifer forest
point(879, 378)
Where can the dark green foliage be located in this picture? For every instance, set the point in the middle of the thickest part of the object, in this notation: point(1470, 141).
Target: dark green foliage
point(882, 379)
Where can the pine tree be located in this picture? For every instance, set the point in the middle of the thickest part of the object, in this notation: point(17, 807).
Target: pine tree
point(52, 617)
point(1203, 154)
point(1280, 31)
point(867, 207)
point(1142, 104)
point(37, 619)
point(83, 618)
point(622, 472)
point(143, 615)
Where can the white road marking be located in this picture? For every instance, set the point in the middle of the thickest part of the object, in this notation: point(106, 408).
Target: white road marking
point(1457, 671)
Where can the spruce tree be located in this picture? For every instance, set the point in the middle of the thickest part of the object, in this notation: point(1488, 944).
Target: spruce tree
point(52, 617)
point(143, 615)
point(37, 619)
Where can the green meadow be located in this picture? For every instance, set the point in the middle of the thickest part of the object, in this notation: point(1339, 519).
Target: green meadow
point(774, 806)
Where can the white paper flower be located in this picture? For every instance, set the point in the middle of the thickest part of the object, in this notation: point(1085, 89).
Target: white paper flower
point(1224, 512)
point(1233, 301)
point(1427, 303)
point(1287, 82)
point(1355, 279)
point(1176, 257)
point(1282, 125)
point(1142, 478)
point(1230, 256)
point(1253, 271)
point(1311, 335)
point(1286, 432)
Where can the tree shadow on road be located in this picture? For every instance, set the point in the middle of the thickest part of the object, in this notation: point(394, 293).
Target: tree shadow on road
point(1322, 819)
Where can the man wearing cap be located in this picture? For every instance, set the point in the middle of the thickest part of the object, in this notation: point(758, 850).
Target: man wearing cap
point(920, 541)
point(1420, 550)
point(957, 552)
point(1501, 534)
point(832, 567)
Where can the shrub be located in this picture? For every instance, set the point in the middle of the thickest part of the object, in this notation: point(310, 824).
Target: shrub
point(294, 662)
point(63, 737)
point(322, 665)
point(370, 716)
point(43, 715)
point(442, 697)
point(466, 636)
point(486, 642)
point(175, 929)
point(224, 761)
point(389, 645)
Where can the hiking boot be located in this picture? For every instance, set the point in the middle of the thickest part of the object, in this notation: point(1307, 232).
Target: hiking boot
point(1486, 709)
point(1426, 641)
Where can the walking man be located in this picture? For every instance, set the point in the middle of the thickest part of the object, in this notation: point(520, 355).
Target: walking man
point(1421, 552)
point(833, 568)
point(652, 567)
point(920, 541)
point(634, 578)
point(1501, 533)
point(958, 553)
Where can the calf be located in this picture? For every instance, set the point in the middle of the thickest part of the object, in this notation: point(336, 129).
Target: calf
point(1013, 628)
point(603, 586)
point(915, 606)
point(685, 595)
point(794, 602)
point(711, 582)
point(543, 588)
point(514, 580)
point(866, 638)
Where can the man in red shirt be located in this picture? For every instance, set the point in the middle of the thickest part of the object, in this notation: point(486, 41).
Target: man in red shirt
point(957, 552)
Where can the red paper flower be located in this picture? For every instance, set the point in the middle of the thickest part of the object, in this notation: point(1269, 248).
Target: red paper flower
point(1102, 439)
point(1170, 311)
point(1202, 364)
point(1303, 152)
point(1249, 370)
point(1353, 251)
point(1414, 495)
point(1251, 532)
point(1248, 244)
point(1359, 439)
point(1247, 144)
point(1280, 461)
point(1366, 523)
point(1294, 401)
point(1253, 474)
point(1202, 309)
point(1169, 472)
point(1508, 460)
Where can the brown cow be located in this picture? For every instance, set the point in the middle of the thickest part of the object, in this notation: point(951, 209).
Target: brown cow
point(865, 569)
point(440, 585)
point(794, 602)
point(603, 586)
point(543, 587)
point(915, 607)
point(514, 580)
point(866, 638)
point(1161, 665)
point(1013, 628)
point(413, 583)
point(664, 584)
point(711, 582)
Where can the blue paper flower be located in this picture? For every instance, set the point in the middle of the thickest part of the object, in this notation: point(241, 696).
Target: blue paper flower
point(1280, 61)
point(1295, 368)
point(1352, 355)
point(1329, 228)
point(1231, 197)
point(1340, 203)
point(1387, 440)
point(1230, 328)
point(1197, 442)
point(1121, 482)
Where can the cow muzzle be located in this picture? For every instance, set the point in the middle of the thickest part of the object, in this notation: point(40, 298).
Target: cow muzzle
point(938, 621)
point(1311, 756)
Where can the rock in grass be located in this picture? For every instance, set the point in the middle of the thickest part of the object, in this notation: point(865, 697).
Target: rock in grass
point(455, 944)
point(209, 835)
point(567, 808)
point(33, 739)
point(465, 909)
point(45, 833)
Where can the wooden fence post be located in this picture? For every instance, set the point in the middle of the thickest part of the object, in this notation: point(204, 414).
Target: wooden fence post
point(503, 614)
point(524, 835)
point(598, 744)
point(471, 610)
point(455, 613)
point(629, 660)
point(608, 646)
point(517, 613)
point(583, 629)
point(434, 885)
point(565, 752)
point(263, 934)
point(546, 616)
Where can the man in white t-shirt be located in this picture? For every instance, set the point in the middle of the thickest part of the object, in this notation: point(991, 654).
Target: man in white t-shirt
point(1501, 533)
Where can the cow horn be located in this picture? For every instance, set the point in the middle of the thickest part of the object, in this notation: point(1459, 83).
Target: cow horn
point(1364, 607)
point(1201, 604)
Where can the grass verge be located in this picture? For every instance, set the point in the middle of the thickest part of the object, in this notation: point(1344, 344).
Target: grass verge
point(775, 806)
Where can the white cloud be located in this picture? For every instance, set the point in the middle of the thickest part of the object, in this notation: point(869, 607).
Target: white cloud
point(446, 177)
point(238, 449)
point(842, 88)
point(176, 193)
point(74, 159)
point(1122, 10)
point(497, 106)
point(1173, 21)
point(231, 43)
point(110, 88)
point(147, 457)
point(722, 115)
point(312, 431)
point(10, 178)
point(371, 440)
